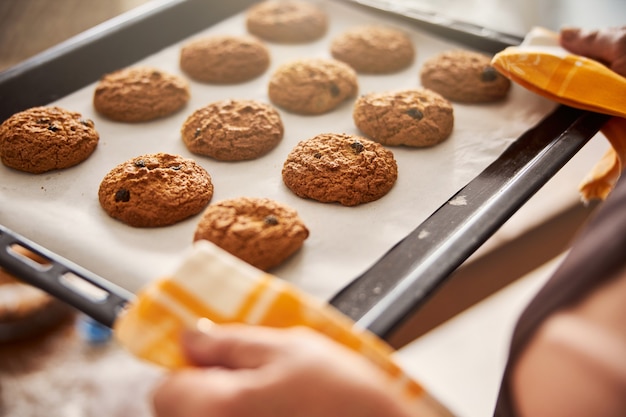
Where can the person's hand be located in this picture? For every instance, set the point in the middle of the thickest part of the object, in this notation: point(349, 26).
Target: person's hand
point(262, 372)
point(606, 45)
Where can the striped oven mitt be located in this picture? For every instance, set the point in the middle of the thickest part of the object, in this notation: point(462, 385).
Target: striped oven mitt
point(542, 66)
point(213, 284)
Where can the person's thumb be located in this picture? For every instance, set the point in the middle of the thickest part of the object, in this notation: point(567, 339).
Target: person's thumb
point(607, 46)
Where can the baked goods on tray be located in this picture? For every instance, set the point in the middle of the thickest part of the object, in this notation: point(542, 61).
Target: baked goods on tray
point(42, 139)
point(464, 76)
point(233, 130)
point(260, 231)
point(312, 86)
point(340, 168)
point(287, 21)
point(140, 94)
point(374, 49)
point(155, 190)
point(224, 59)
point(416, 117)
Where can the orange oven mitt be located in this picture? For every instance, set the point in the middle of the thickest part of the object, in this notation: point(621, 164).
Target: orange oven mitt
point(213, 284)
point(542, 66)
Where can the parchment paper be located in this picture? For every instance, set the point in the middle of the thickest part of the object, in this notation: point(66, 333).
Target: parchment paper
point(60, 209)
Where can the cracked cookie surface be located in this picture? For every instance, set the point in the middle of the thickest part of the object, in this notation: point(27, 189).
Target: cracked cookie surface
point(287, 21)
point(465, 77)
point(155, 190)
point(416, 117)
point(42, 139)
point(340, 168)
point(224, 59)
point(140, 94)
point(312, 86)
point(260, 231)
point(233, 130)
point(374, 49)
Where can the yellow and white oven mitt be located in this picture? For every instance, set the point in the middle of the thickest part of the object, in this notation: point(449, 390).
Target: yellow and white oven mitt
point(542, 66)
point(213, 284)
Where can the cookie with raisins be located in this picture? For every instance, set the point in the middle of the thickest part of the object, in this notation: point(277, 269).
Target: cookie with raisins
point(416, 117)
point(465, 77)
point(374, 49)
point(287, 21)
point(140, 94)
point(42, 139)
point(233, 130)
point(224, 59)
point(312, 86)
point(340, 168)
point(155, 190)
point(260, 231)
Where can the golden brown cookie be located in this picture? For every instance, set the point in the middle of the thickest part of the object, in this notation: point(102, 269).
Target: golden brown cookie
point(260, 231)
point(140, 94)
point(465, 77)
point(42, 139)
point(341, 168)
point(155, 190)
point(312, 86)
point(233, 130)
point(374, 49)
point(417, 117)
point(286, 21)
point(224, 59)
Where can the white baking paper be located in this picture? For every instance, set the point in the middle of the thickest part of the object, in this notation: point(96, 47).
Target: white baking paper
point(60, 209)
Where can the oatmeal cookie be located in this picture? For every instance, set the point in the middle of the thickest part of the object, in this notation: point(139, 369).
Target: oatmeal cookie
point(286, 21)
point(155, 190)
point(312, 86)
point(417, 117)
point(342, 168)
point(140, 94)
point(43, 139)
point(233, 130)
point(464, 76)
point(224, 59)
point(260, 231)
point(374, 49)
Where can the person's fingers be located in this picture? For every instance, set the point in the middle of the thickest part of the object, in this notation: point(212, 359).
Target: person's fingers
point(607, 45)
point(230, 346)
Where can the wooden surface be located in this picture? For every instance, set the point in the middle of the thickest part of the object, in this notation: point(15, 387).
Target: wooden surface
point(28, 27)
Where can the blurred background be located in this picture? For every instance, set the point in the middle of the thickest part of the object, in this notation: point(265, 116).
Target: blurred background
point(31, 26)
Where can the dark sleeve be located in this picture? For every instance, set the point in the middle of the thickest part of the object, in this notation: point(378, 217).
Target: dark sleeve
point(597, 255)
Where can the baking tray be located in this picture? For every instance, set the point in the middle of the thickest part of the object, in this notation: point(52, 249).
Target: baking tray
point(412, 270)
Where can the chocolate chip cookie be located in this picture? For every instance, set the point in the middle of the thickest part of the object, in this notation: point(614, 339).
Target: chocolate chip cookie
point(155, 190)
point(417, 117)
point(312, 86)
point(42, 139)
point(464, 76)
point(260, 231)
point(342, 168)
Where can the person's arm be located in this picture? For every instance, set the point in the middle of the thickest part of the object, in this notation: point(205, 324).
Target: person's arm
point(574, 364)
point(251, 371)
